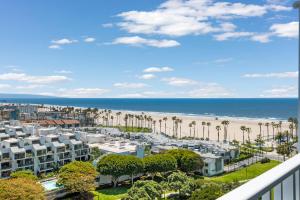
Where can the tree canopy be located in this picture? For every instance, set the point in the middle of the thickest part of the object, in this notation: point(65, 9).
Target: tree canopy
point(180, 182)
point(119, 165)
point(187, 160)
point(159, 163)
point(21, 189)
point(78, 176)
point(209, 192)
point(24, 174)
point(146, 190)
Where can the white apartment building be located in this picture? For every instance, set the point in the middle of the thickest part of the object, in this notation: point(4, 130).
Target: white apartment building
point(22, 150)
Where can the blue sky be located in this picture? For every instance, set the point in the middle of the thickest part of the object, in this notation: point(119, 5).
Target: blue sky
point(118, 48)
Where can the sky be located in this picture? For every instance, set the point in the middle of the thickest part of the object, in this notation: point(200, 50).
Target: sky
point(149, 49)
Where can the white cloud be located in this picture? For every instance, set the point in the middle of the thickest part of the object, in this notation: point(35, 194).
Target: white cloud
point(282, 91)
point(22, 77)
point(77, 92)
point(158, 69)
point(289, 30)
point(273, 75)
point(63, 41)
point(63, 71)
point(29, 87)
point(132, 95)
point(139, 41)
point(130, 85)
point(223, 60)
point(5, 86)
point(147, 76)
point(263, 38)
point(279, 8)
point(210, 90)
point(191, 17)
point(54, 46)
point(89, 39)
point(107, 25)
point(232, 35)
point(175, 81)
point(149, 94)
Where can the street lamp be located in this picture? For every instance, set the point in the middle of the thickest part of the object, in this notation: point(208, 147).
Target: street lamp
point(296, 5)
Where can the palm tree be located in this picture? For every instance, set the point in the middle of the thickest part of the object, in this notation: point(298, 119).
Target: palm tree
point(291, 126)
point(267, 125)
point(159, 125)
point(203, 129)
point(180, 122)
point(126, 120)
point(218, 130)
point(225, 124)
point(118, 117)
point(165, 119)
point(194, 124)
point(190, 125)
point(248, 131)
point(259, 124)
point(112, 120)
point(296, 125)
point(154, 122)
point(243, 128)
point(173, 119)
point(273, 127)
point(280, 125)
point(208, 125)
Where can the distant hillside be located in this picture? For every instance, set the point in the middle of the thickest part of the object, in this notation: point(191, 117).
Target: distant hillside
point(23, 96)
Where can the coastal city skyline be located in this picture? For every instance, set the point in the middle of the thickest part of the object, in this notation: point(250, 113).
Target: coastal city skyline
point(148, 49)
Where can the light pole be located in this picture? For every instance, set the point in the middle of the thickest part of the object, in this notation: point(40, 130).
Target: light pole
point(296, 5)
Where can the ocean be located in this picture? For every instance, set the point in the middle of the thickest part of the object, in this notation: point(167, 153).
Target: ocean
point(266, 108)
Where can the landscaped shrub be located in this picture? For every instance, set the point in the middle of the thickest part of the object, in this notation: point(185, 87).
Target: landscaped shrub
point(264, 160)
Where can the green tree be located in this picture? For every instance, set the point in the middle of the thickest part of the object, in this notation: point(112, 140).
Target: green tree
point(187, 161)
point(27, 174)
point(21, 189)
point(159, 163)
point(284, 149)
point(210, 192)
point(180, 182)
point(78, 177)
point(119, 165)
point(134, 165)
point(146, 190)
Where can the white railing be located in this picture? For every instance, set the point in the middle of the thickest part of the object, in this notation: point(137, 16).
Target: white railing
point(279, 183)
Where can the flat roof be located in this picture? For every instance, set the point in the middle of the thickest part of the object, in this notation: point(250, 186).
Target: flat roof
point(58, 144)
point(39, 147)
point(17, 150)
point(117, 147)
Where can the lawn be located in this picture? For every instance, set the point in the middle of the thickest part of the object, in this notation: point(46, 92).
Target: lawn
point(110, 193)
point(131, 129)
point(246, 173)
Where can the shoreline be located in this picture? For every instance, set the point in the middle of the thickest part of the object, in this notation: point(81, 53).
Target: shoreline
point(198, 129)
point(265, 119)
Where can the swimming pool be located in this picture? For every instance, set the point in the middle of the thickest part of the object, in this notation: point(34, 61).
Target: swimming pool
point(50, 185)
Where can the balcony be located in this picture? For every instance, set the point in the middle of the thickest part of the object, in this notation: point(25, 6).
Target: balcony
point(279, 183)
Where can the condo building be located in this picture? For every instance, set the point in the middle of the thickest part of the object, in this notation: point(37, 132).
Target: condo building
point(21, 149)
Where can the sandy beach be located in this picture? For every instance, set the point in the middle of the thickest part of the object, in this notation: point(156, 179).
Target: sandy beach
point(233, 128)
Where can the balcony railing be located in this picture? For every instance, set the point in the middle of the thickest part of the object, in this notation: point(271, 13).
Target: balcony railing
point(279, 183)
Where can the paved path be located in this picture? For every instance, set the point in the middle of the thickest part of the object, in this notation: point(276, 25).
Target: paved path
point(242, 164)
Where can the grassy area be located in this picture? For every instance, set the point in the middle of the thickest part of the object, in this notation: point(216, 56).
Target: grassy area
point(131, 129)
point(246, 173)
point(242, 156)
point(135, 129)
point(110, 193)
